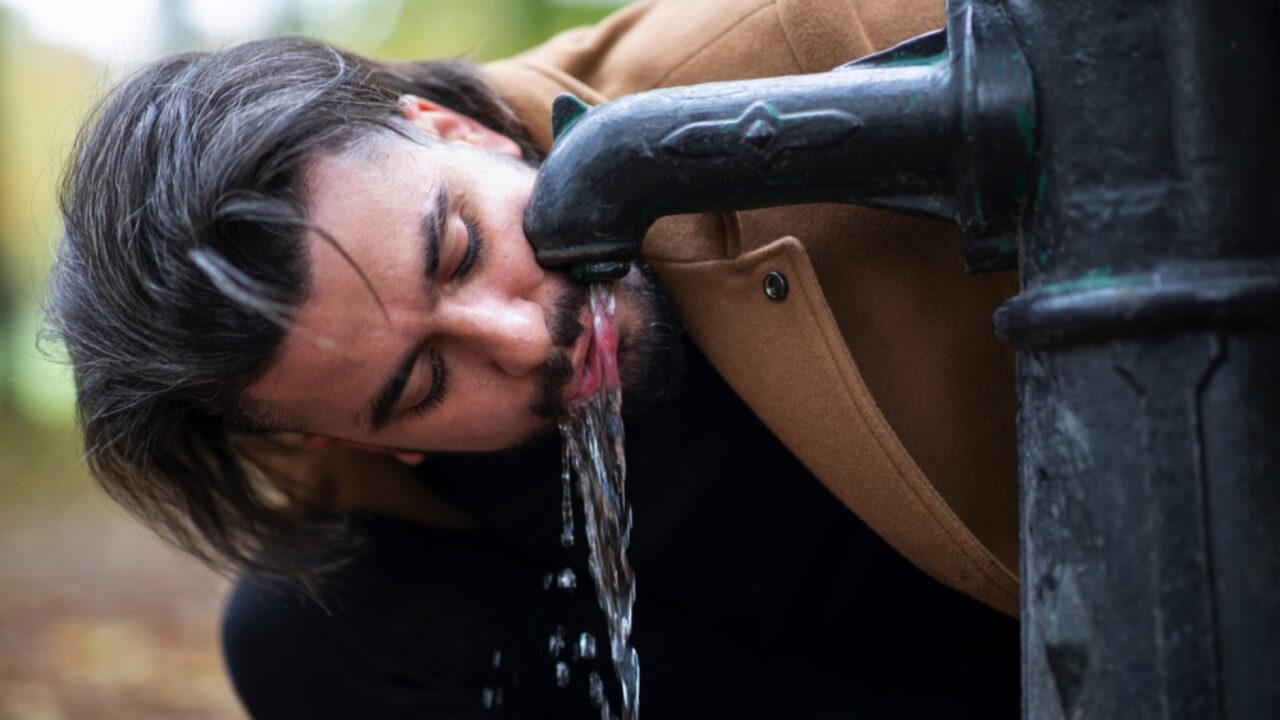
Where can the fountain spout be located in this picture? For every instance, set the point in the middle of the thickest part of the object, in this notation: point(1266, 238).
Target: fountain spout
point(941, 125)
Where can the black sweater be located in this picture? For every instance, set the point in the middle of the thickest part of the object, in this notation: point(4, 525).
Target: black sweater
point(758, 596)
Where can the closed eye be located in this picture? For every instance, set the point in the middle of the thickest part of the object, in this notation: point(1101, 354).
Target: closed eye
point(439, 385)
point(471, 257)
point(475, 247)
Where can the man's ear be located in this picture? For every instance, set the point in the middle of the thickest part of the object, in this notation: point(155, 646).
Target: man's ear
point(442, 122)
point(317, 442)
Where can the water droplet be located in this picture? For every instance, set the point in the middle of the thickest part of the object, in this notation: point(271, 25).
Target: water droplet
point(486, 698)
point(548, 580)
point(562, 674)
point(556, 645)
point(566, 498)
point(567, 580)
point(596, 688)
point(497, 658)
point(586, 646)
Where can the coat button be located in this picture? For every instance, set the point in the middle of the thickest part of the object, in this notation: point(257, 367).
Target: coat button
point(775, 286)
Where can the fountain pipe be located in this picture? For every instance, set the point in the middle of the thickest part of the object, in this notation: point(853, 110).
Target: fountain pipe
point(942, 125)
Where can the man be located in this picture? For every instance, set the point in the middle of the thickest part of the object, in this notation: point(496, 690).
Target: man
point(281, 237)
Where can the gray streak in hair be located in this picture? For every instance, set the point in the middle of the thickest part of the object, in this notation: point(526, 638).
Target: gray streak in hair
point(183, 259)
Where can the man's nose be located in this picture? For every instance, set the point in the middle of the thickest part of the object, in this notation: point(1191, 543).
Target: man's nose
point(513, 334)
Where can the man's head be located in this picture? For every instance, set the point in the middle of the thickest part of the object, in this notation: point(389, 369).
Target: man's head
point(428, 322)
point(284, 236)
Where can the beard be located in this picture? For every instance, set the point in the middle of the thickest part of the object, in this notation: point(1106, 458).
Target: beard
point(650, 345)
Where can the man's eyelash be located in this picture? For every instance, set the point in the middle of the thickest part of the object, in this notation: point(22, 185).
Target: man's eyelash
point(475, 246)
point(440, 371)
point(439, 385)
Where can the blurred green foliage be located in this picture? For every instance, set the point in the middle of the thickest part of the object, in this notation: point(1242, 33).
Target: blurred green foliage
point(480, 29)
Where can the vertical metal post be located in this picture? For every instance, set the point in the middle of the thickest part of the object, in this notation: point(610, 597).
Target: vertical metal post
point(1149, 360)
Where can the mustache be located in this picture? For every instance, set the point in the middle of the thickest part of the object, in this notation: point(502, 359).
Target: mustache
point(548, 401)
point(566, 328)
point(566, 325)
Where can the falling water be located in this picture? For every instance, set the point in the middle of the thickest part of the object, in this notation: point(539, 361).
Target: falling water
point(593, 440)
point(566, 499)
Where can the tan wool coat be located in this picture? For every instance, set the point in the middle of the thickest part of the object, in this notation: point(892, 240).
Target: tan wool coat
point(879, 369)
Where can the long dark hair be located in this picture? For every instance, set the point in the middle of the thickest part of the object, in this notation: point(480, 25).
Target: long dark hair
point(182, 261)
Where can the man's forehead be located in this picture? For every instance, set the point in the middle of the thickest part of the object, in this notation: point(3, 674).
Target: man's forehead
point(371, 152)
point(365, 208)
point(365, 214)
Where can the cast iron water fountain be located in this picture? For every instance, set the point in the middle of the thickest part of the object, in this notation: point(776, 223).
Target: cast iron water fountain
point(1125, 157)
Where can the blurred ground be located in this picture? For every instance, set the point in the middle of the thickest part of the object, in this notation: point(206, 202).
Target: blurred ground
point(97, 619)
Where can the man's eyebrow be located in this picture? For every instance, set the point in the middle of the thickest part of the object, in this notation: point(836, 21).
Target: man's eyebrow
point(385, 401)
point(433, 222)
point(432, 225)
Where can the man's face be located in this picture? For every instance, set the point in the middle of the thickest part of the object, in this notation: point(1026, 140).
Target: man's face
point(475, 346)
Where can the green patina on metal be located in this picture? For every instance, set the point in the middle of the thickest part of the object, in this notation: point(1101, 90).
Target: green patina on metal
point(908, 60)
point(1019, 184)
point(1027, 128)
point(783, 182)
point(566, 111)
point(1096, 279)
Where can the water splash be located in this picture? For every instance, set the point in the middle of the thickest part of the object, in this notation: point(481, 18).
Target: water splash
point(595, 689)
point(491, 697)
point(567, 580)
point(555, 645)
point(566, 497)
point(593, 438)
point(586, 648)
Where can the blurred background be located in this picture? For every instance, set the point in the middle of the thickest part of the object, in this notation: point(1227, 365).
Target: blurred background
point(97, 618)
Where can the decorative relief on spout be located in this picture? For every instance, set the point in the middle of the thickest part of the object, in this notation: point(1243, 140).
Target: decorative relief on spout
point(760, 134)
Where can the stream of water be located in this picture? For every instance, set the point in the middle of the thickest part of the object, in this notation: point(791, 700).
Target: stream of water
point(593, 445)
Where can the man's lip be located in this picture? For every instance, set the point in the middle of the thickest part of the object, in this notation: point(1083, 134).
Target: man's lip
point(576, 388)
point(595, 362)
